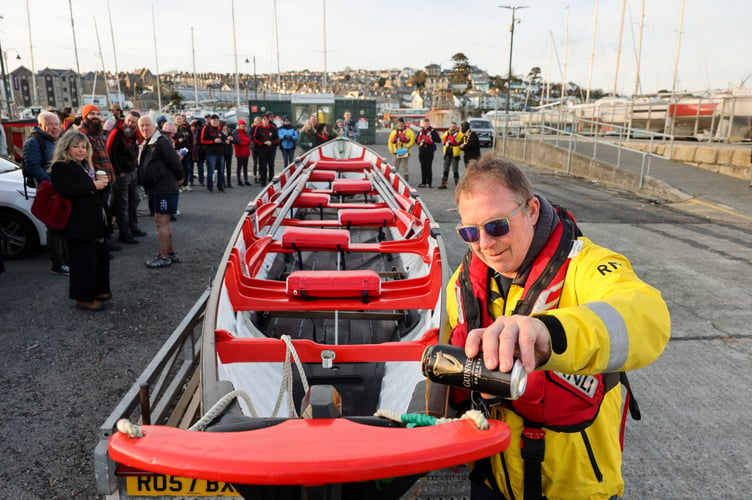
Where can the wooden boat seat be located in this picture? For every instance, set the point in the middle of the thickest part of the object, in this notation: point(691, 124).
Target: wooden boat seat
point(366, 217)
point(351, 186)
point(308, 238)
point(365, 284)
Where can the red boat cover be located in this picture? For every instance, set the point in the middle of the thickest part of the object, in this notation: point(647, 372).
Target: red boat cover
point(308, 452)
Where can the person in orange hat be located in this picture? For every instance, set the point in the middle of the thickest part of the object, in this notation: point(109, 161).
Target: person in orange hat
point(93, 127)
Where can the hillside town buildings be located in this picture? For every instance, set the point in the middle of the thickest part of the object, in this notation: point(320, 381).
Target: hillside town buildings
point(392, 88)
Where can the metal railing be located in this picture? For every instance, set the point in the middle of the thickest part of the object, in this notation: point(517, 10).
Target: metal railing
point(562, 127)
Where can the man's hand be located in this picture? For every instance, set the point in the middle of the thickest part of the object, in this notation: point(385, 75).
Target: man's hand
point(511, 337)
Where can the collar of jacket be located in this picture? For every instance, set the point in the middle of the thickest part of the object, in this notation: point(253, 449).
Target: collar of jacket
point(152, 139)
point(547, 222)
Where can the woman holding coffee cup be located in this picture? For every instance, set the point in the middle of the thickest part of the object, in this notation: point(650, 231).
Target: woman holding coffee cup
point(86, 232)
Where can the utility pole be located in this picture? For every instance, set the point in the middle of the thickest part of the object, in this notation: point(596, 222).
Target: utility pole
point(511, 45)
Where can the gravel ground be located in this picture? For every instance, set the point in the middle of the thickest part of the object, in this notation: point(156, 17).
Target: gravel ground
point(64, 370)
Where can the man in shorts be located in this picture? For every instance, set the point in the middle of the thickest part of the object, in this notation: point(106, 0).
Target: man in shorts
point(161, 173)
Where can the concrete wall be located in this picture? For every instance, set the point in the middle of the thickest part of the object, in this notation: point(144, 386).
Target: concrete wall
point(732, 160)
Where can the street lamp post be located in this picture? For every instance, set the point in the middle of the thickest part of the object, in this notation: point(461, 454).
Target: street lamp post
point(511, 45)
point(255, 89)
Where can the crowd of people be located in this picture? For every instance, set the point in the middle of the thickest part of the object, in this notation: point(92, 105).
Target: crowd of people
point(129, 156)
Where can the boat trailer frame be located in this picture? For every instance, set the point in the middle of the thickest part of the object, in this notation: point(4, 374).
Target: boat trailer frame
point(167, 392)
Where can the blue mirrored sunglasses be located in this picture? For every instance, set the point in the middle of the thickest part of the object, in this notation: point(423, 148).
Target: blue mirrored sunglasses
point(494, 228)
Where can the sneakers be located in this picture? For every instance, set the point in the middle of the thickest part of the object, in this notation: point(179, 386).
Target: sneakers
point(60, 270)
point(158, 262)
point(129, 240)
point(137, 233)
point(173, 257)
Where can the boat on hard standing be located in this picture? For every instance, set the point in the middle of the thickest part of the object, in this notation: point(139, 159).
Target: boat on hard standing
point(326, 297)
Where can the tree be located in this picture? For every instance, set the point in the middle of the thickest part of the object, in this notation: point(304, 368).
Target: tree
point(534, 76)
point(461, 69)
point(176, 99)
point(419, 79)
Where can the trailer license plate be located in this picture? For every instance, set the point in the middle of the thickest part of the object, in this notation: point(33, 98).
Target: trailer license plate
point(162, 485)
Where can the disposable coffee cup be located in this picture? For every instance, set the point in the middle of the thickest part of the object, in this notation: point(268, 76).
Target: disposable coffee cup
point(100, 174)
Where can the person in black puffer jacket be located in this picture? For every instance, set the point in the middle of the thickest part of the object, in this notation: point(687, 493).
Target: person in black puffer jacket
point(160, 172)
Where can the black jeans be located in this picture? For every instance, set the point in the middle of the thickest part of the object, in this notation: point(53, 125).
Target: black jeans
point(57, 247)
point(454, 162)
point(125, 200)
point(266, 165)
point(425, 157)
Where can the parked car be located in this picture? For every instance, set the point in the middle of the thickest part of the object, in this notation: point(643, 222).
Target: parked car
point(21, 233)
point(484, 129)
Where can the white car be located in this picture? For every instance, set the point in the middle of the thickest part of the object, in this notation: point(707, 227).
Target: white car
point(20, 232)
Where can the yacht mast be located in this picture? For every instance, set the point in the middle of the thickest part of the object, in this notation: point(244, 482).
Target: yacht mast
point(114, 53)
point(104, 71)
point(235, 57)
point(678, 46)
point(81, 89)
point(33, 68)
point(637, 83)
point(156, 59)
point(195, 78)
point(618, 47)
point(592, 50)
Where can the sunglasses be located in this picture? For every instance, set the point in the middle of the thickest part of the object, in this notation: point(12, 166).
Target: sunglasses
point(494, 228)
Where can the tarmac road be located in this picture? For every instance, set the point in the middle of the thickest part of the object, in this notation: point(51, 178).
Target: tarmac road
point(63, 370)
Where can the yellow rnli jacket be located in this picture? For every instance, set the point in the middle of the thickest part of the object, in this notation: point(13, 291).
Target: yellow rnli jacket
point(394, 146)
point(456, 151)
point(612, 321)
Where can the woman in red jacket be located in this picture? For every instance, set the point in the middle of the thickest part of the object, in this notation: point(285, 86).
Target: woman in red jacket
point(242, 151)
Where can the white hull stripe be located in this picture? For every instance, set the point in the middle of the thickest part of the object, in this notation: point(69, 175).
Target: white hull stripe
point(617, 331)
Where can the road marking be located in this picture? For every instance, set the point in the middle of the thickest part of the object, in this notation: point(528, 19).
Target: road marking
point(721, 209)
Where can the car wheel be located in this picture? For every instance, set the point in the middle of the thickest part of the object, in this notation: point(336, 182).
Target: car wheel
point(18, 236)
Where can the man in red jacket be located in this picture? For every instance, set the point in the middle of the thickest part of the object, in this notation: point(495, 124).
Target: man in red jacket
point(266, 138)
point(214, 144)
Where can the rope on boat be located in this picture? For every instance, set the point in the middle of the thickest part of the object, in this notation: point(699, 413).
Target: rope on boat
point(286, 386)
point(220, 407)
point(421, 420)
point(132, 430)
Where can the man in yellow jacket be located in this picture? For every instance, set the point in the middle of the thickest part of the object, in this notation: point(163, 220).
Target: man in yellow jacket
point(451, 140)
point(401, 139)
point(571, 311)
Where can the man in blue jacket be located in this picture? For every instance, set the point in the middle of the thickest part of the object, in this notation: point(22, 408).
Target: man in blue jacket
point(288, 138)
point(37, 158)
